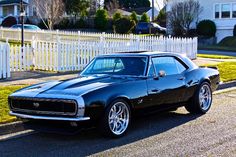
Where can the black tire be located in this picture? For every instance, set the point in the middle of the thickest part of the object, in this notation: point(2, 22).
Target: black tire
point(195, 106)
point(104, 126)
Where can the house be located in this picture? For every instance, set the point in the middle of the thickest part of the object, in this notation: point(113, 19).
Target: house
point(222, 12)
point(12, 8)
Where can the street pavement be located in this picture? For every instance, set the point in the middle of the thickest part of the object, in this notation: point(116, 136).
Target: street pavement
point(213, 52)
point(163, 134)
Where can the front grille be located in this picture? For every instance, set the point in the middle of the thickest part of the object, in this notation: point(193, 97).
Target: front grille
point(40, 106)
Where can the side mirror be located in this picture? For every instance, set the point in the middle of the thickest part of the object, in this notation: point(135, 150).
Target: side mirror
point(161, 73)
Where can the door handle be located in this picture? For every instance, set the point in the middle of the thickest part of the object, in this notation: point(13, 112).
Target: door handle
point(181, 78)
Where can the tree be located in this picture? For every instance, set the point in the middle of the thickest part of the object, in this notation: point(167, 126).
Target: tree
point(111, 6)
point(161, 18)
point(145, 17)
point(101, 19)
point(77, 7)
point(124, 25)
point(182, 15)
point(135, 3)
point(134, 17)
point(50, 11)
point(116, 16)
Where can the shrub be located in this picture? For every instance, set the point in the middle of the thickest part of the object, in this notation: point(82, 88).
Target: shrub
point(134, 17)
point(9, 21)
point(116, 16)
point(80, 23)
point(124, 25)
point(206, 28)
point(145, 17)
point(234, 30)
point(63, 24)
point(192, 33)
point(101, 19)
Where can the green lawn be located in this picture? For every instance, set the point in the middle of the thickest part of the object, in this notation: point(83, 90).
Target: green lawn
point(227, 70)
point(4, 109)
point(215, 56)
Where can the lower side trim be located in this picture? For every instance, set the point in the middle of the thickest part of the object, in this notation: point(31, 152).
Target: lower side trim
point(48, 118)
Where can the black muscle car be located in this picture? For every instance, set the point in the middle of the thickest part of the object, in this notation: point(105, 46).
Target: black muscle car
point(113, 88)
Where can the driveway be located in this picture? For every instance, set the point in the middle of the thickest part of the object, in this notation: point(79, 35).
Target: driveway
point(225, 53)
point(169, 134)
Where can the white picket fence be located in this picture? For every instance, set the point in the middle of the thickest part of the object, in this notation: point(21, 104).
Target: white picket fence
point(4, 61)
point(75, 55)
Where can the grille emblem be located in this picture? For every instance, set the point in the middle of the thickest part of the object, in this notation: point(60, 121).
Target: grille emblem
point(36, 105)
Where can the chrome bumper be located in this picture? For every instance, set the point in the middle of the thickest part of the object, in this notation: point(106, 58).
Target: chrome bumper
point(48, 118)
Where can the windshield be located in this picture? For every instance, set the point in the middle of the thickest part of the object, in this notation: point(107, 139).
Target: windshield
point(134, 66)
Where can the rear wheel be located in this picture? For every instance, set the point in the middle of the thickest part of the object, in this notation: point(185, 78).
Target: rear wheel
point(202, 99)
point(116, 121)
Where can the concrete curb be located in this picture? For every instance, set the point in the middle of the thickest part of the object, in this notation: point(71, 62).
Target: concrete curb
point(14, 127)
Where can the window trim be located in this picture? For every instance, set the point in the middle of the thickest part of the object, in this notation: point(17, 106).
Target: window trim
point(220, 11)
point(175, 58)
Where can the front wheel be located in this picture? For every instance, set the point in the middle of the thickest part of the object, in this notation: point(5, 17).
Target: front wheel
point(116, 120)
point(202, 99)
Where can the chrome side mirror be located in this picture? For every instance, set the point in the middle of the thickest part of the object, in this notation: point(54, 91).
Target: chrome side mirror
point(161, 73)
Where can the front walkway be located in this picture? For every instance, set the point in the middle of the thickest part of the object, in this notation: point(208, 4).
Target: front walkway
point(214, 52)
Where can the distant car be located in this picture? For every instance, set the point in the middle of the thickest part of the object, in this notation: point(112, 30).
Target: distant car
point(144, 28)
point(114, 87)
point(26, 26)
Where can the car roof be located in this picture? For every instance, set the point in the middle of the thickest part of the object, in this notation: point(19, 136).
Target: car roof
point(142, 53)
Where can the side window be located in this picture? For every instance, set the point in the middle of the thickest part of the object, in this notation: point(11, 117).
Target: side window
point(180, 66)
point(168, 64)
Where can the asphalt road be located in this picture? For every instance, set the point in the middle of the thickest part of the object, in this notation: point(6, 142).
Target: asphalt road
point(169, 134)
point(226, 53)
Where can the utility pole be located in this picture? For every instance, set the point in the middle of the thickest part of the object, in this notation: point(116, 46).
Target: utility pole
point(153, 7)
point(22, 13)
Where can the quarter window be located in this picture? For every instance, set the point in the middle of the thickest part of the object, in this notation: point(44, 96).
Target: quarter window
point(168, 64)
point(225, 8)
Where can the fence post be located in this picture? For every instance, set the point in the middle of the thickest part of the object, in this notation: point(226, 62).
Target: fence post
point(8, 58)
point(58, 54)
point(33, 46)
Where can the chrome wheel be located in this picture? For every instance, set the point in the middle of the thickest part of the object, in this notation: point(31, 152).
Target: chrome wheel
point(118, 118)
point(205, 97)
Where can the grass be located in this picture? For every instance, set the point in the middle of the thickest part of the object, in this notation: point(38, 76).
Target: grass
point(4, 109)
point(227, 70)
point(215, 56)
point(227, 44)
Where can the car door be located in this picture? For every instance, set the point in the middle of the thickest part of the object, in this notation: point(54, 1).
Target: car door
point(168, 88)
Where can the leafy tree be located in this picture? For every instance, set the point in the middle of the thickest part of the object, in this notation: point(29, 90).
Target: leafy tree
point(135, 3)
point(124, 25)
point(134, 17)
point(77, 7)
point(161, 18)
point(145, 17)
point(116, 16)
point(101, 19)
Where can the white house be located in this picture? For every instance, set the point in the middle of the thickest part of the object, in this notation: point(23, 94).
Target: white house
point(222, 12)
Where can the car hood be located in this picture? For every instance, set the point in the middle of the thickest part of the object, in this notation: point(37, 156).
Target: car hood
point(77, 86)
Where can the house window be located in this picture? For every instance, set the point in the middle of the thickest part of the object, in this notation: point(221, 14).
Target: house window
point(217, 11)
point(34, 11)
point(234, 10)
point(225, 10)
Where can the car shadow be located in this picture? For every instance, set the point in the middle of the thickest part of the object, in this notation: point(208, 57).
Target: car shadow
point(89, 142)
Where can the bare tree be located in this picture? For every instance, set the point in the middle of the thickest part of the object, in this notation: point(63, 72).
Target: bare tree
point(182, 15)
point(50, 11)
point(112, 6)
